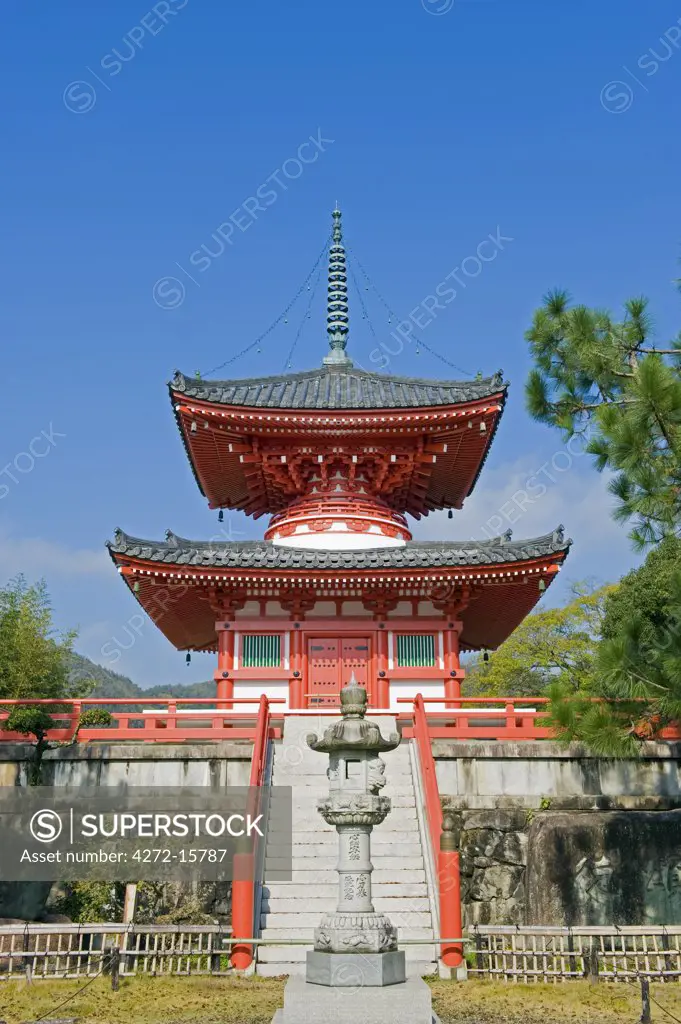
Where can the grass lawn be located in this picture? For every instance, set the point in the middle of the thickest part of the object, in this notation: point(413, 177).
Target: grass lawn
point(254, 1000)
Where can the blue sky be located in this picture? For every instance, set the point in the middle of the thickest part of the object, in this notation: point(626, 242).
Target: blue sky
point(132, 133)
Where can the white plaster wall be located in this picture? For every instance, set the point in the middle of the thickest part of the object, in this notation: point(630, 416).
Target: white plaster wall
point(355, 610)
point(407, 688)
point(251, 610)
point(255, 687)
point(274, 609)
point(322, 610)
point(427, 610)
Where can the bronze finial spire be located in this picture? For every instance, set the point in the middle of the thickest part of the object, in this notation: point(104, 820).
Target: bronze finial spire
point(337, 308)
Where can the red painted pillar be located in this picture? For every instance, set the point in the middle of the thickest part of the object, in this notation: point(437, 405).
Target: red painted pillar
point(297, 688)
point(452, 664)
point(449, 879)
point(242, 910)
point(224, 676)
point(382, 680)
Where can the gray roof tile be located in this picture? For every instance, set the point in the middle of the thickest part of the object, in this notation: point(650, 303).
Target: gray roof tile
point(263, 554)
point(334, 388)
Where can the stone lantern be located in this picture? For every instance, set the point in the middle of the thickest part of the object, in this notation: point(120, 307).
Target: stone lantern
point(354, 805)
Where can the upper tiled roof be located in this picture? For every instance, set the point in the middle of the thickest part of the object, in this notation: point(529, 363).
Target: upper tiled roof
point(333, 388)
point(265, 555)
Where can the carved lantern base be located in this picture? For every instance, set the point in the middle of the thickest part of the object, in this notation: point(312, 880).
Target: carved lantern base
point(347, 970)
point(355, 933)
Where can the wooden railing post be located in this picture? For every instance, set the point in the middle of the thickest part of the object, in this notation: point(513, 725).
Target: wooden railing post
point(76, 709)
point(243, 879)
point(243, 902)
point(444, 840)
point(449, 878)
point(427, 765)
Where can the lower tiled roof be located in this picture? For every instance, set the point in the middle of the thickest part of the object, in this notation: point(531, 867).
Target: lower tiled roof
point(265, 555)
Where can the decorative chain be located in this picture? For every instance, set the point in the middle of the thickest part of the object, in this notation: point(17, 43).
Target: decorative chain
point(282, 316)
point(394, 316)
point(365, 312)
point(306, 316)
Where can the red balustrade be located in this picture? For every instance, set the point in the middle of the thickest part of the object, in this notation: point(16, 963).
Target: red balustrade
point(447, 861)
point(482, 718)
point(497, 718)
point(172, 720)
point(243, 884)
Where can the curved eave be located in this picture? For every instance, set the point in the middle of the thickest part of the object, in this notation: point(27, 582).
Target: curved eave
point(171, 582)
point(221, 479)
point(336, 388)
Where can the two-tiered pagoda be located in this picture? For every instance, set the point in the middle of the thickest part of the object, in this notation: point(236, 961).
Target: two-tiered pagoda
point(338, 457)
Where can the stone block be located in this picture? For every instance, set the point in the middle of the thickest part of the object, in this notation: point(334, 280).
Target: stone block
point(500, 820)
point(355, 970)
point(406, 1003)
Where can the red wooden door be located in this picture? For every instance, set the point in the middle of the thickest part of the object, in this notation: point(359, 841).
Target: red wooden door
point(323, 682)
point(355, 658)
point(331, 662)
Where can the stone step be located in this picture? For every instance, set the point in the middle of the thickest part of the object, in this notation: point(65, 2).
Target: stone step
point(302, 851)
point(397, 820)
point(324, 860)
point(281, 843)
point(292, 890)
point(282, 933)
point(297, 954)
point(311, 785)
point(394, 906)
point(294, 753)
point(291, 763)
point(305, 796)
point(311, 807)
point(390, 876)
point(396, 773)
point(303, 825)
point(301, 920)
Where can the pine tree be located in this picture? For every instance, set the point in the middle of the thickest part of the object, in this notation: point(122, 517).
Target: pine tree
point(603, 378)
point(635, 686)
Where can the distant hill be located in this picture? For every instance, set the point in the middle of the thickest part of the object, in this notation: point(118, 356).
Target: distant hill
point(112, 684)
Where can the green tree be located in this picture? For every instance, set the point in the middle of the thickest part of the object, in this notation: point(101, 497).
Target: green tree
point(34, 663)
point(33, 656)
point(637, 669)
point(644, 592)
point(91, 901)
point(602, 377)
point(554, 644)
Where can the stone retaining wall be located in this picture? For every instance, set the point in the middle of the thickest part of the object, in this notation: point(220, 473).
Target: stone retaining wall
point(550, 835)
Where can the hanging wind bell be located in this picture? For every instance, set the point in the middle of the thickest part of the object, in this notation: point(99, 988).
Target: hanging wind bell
point(221, 516)
point(188, 658)
point(136, 587)
point(541, 585)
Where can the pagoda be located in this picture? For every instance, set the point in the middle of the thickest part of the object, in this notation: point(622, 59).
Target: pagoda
point(338, 457)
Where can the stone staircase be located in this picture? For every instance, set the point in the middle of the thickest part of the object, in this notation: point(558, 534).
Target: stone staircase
point(292, 909)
